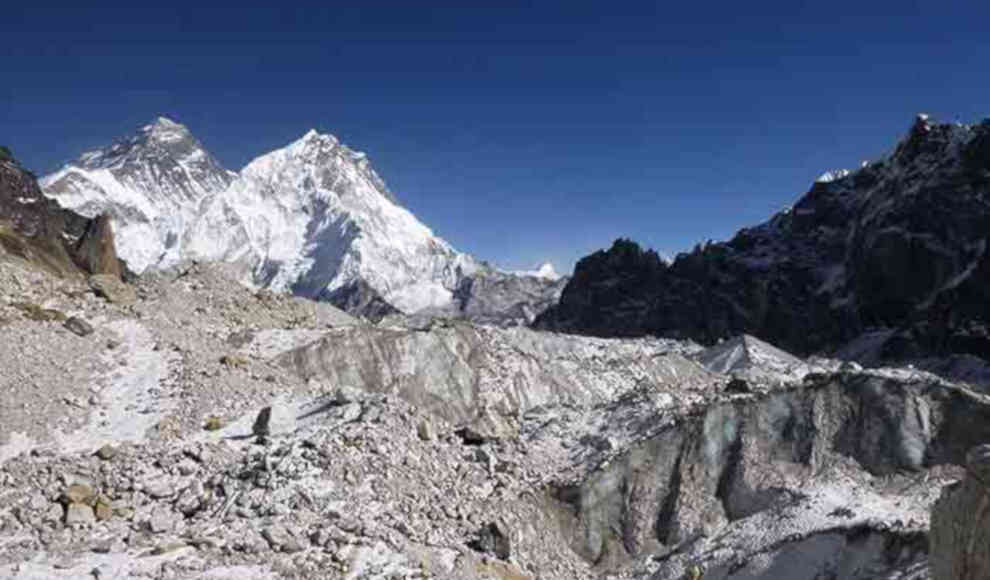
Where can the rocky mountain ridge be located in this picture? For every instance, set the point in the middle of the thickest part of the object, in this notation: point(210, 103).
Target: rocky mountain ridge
point(312, 218)
point(39, 231)
point(894, 251)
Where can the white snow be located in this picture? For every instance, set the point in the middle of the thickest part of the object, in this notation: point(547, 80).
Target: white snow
point(833, 175)
point(128, 408)
point(310, 218)
point(545, 271)
point(324, 222)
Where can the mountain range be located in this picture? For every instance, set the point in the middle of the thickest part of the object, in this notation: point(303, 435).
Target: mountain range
point(167, 419)
point(885, 262)
point(312, 218)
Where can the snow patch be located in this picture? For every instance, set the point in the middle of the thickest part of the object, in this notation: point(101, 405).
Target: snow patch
point(128, 408)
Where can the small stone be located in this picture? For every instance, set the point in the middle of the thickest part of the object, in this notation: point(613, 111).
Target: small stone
point(233, 360)
point(167, 548)
point(78, 326)
point(344, 395)
point(54, 514)
point(350, 412)
point(279, 538)
point(112, 289)
point(425, 430)
point(103, 511)
point(206, 543)
point(262, 424)
point(78, 493)
point(159, 488)
point(292, 546)
point(738, 386)
point(106, 452)
point(79, 514)
point(187, 467)
point(213, 423)
point(159, 521)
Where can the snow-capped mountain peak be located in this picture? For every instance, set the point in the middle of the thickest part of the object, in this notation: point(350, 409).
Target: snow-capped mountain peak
point(152, 182)
point(314, 218)
point(311, 217)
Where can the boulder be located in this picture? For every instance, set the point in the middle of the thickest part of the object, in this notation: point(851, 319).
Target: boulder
point(79, 326)
point(112, 289)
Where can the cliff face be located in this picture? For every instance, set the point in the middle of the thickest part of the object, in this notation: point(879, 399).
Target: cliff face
point(35, 228)
point(898, 244)
point(960, 533)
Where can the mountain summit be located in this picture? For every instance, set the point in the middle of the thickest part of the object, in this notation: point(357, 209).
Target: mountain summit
point(151, 182)
point(312, 218)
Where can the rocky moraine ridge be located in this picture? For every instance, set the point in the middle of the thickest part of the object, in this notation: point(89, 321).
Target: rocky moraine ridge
point(180, 424)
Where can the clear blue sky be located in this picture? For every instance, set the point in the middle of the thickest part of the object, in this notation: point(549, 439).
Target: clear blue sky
point(519, 131)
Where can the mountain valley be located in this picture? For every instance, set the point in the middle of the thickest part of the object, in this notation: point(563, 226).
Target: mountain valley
point(282, 373)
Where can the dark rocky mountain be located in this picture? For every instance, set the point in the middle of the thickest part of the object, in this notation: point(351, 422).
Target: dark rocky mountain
point(897, 247)
point(35, 228)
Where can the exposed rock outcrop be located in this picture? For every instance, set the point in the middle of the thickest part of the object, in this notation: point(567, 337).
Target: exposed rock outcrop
point(96, 251)
point(34, 228)
point(960, 533)
point(899, 243)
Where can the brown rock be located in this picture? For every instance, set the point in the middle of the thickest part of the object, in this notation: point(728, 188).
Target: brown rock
point(106, 452)
point(112, 289)
point(103, 511)
point(78, 493)
point(96, 250)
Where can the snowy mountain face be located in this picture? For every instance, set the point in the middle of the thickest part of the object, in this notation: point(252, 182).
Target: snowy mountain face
point(312, 218)
point(898, 244)
point(152, 183)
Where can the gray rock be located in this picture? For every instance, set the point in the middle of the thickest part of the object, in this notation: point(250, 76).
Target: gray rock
point(425, 430)
point(262, 424)
point(276, 536)
point(106, 452)
point(79, 514)
point(79, 326)
point(960, 527)
point(159, 488)
point(112, 289)
point(160, 520)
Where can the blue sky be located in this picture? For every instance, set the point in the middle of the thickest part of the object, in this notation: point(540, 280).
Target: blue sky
point(519, 131)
